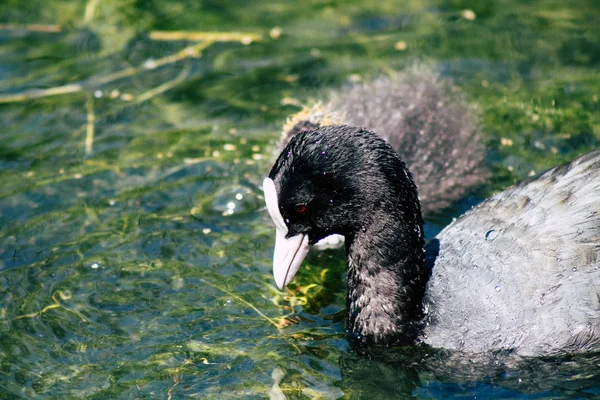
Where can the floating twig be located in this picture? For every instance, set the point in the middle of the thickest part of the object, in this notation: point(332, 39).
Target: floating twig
point(90, 10)
point(165, 86)
point(277, 324)
point(37, 93)
point(89, 127)
point(176, 380)
point(252, 306)
point(244, 38)
point(64, 295)
point(193, 51)
point(46, 28)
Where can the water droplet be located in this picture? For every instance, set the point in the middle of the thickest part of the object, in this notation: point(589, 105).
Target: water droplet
point(574, 269)
point(491, 234)
point(95, 266)
point(234, 199)
point(497, 288)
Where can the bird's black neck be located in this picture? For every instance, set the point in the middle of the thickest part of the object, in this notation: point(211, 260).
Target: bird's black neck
point(386, 279)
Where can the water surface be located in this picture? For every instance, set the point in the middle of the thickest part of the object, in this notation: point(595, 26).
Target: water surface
point(134, 250)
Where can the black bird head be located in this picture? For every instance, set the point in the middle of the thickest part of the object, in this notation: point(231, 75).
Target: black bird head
point(334, 179)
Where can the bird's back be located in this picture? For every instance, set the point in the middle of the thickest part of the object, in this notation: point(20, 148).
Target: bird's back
point(521, 271)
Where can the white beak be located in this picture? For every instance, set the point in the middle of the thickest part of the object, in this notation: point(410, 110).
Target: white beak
point(289, 252)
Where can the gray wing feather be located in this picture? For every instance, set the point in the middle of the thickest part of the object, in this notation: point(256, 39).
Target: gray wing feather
point(521, 271)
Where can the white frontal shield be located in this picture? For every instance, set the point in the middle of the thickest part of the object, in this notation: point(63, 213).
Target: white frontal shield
point(289, 252)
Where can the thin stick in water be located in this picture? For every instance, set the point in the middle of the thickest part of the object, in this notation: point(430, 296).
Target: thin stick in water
point(89, 130)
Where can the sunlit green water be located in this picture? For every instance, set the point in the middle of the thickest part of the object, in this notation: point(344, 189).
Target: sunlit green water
point(134, 253)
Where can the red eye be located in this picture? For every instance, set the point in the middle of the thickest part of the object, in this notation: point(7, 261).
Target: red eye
point(301, 208)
